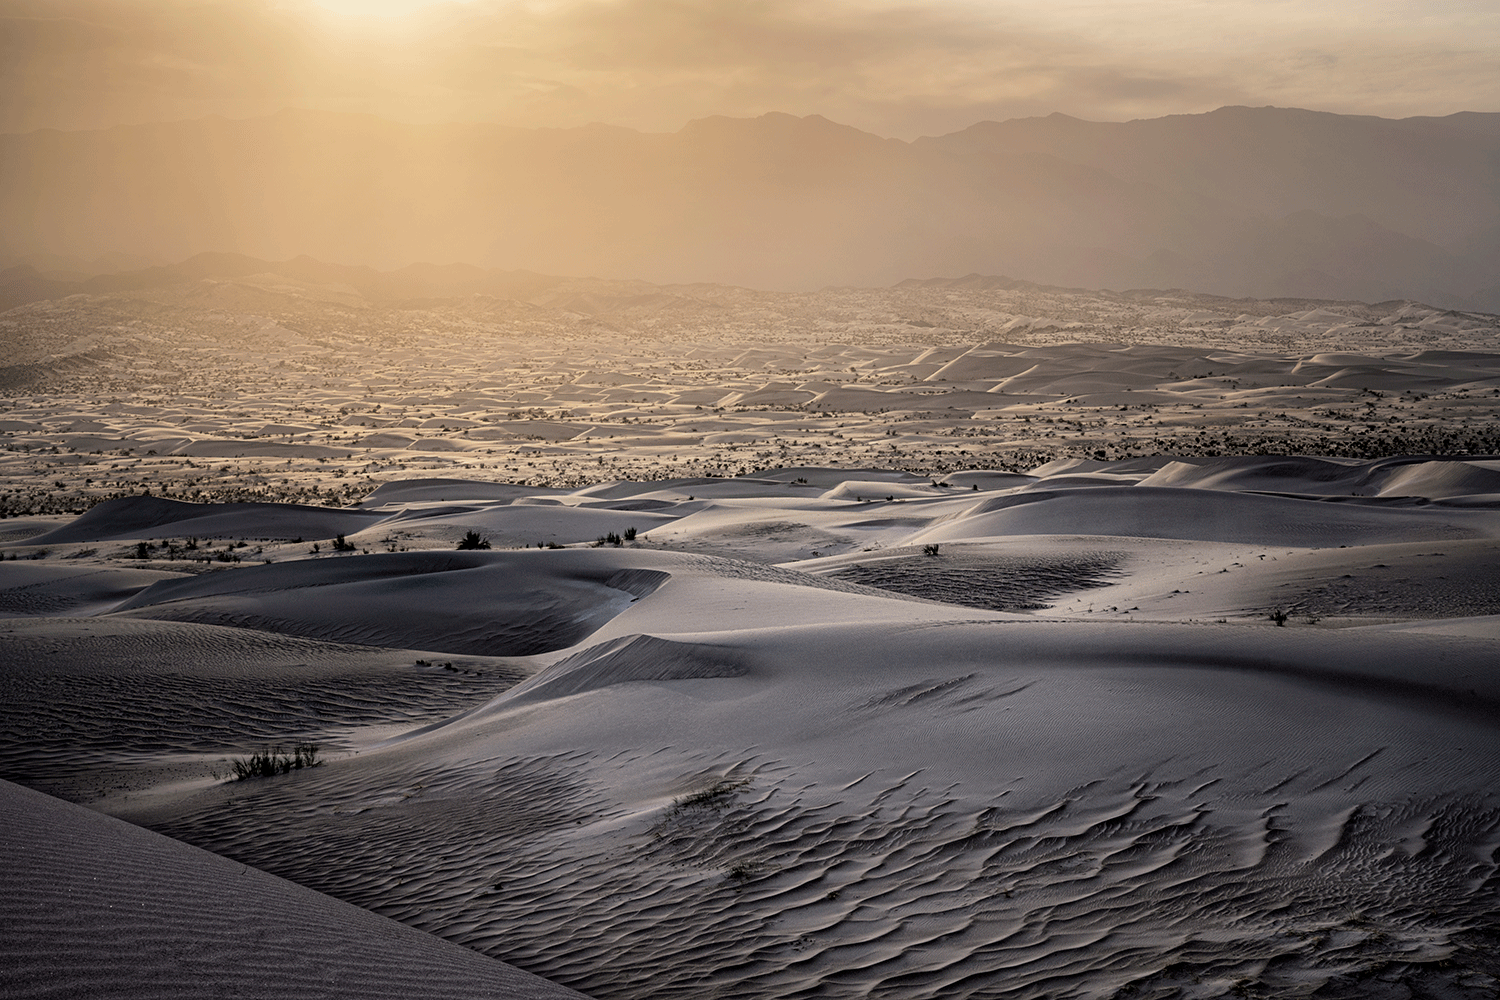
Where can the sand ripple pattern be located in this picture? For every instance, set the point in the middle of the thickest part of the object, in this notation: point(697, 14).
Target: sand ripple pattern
point(761, 887)
point(102, 705)
point(97, 908)
point(995, 583)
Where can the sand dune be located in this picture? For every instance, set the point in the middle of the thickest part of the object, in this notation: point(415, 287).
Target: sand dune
point(156, 517)
point(1150, 512)
point(959, 639)
point(510, 604)
point(156, 389)
point(813, 731)
point(1394, 477)
point(996, 806)
point(98, 908)
point(111, 707)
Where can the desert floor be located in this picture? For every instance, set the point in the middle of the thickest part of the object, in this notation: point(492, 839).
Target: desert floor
point(934, 642)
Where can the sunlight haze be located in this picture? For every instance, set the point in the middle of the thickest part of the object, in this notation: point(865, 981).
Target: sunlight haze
point(750, 499)
point(896, 69)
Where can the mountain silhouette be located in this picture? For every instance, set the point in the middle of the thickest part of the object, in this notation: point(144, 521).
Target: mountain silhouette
point(1241, 201)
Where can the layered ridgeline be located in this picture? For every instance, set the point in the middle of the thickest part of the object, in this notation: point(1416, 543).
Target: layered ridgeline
point(1241, 201)
point(277, 385)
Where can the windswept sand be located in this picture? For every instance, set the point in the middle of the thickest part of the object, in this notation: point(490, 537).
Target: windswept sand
point(232, 389)
point(94, 907)
point(812, 731)
point(958, 639)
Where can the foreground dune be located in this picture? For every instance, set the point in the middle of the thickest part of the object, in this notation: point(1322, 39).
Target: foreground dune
point(98, 908)
point(931, 809)
point(1146, 727)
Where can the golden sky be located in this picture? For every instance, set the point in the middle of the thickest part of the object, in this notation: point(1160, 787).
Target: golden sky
point(904, 69)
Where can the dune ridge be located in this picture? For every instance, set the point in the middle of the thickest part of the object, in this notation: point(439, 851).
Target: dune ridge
point(522, 397)
point(1169, 727)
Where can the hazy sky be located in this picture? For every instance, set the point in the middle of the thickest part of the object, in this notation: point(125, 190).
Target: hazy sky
point(895, 68)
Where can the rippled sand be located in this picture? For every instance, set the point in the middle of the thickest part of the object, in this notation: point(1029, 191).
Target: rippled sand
point(1198, 727)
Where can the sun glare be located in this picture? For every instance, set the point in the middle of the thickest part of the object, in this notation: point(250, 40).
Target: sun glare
point(378, 8)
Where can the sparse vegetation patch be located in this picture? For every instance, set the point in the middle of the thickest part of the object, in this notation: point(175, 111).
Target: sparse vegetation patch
point(269, 763)
point(473, 540)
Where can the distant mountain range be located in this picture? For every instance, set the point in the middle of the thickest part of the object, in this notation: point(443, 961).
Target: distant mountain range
point(1260, 202)
point(413, 285)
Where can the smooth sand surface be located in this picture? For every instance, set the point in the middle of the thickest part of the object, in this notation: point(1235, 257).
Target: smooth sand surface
point(94, 907)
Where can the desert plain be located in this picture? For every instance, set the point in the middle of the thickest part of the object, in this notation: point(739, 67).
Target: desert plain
point(960, 638)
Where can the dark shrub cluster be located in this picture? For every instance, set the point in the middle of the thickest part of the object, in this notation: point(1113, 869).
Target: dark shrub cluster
point(269, 763)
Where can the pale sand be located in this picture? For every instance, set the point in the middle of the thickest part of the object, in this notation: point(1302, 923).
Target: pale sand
point(228, 390)
point(943, 662)
point(1066, 754)
point(94, 907)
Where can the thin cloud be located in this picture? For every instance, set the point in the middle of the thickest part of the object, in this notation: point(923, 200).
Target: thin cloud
point(894, 68)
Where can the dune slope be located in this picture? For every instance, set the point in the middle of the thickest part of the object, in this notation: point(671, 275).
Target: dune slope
point(945, 809)
point(94, 907)
point(1148, 727)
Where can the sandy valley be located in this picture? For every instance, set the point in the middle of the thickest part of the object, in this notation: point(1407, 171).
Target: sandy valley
point(960, 639)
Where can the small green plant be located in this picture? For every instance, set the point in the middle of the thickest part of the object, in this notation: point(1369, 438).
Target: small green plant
point(269, 763)
point(473, 540)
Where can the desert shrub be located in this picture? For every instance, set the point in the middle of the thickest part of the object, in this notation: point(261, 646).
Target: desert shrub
point(340, 545)
point(715, 796)
point(930, 550)
point(1279, 617)
point(269, 763)
point(473, 540)
point(630, 534)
